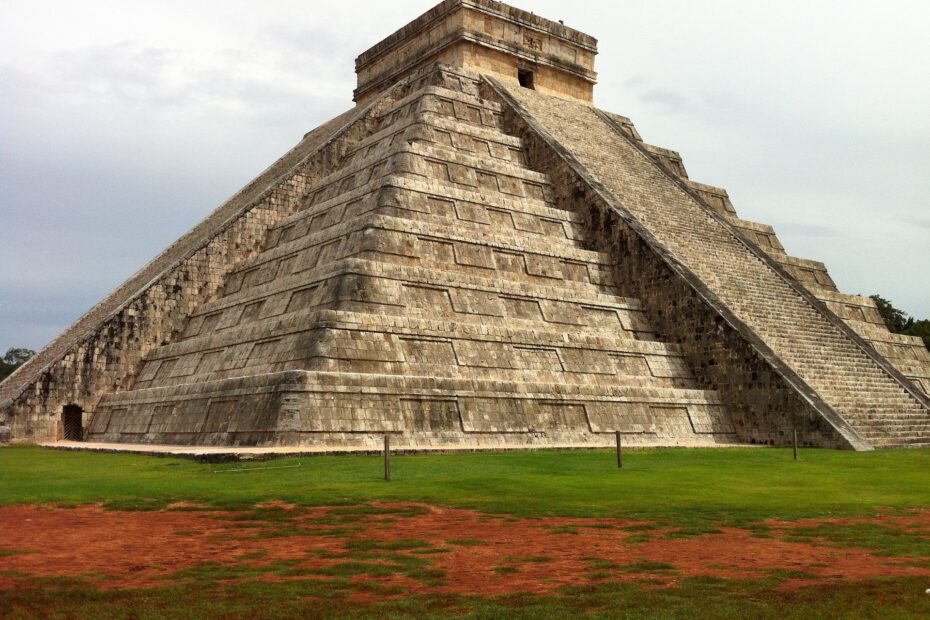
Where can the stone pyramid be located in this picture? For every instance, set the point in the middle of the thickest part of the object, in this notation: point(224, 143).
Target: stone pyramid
point(475, 256)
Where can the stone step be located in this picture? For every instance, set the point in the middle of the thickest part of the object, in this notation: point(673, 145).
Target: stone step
point(429, 276)
point(432, 129)
point(904, 423)
point(398, 110)
point(425, 160)
point(896, 429)
point(437, 120)
point(324, 380)
point(418, 131)
point(475, 238)
point(308, 402)
point(899, 442)
point(524, 332)
point(416, 194)
point(528, 274)
point(356, 348)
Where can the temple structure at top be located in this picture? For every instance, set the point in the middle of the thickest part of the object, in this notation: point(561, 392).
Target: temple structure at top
point(485, 37)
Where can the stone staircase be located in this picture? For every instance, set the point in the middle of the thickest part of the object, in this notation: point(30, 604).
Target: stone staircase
point(880, 406)
point(907, 354)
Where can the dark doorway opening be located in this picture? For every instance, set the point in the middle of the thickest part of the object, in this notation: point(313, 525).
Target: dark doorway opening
point(72, 418)
point(525, 76)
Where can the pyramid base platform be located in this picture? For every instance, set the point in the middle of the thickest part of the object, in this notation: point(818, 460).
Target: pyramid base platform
point(316, 410)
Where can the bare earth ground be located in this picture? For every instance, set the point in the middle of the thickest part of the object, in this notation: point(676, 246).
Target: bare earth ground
point(466, 552)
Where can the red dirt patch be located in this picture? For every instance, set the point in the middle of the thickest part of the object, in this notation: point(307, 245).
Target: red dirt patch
point(479, 554)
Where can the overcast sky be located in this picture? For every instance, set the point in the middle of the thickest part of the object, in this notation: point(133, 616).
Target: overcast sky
point(122, 123)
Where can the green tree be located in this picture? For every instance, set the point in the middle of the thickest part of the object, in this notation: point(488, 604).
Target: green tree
point(13, 359)
point(896, 320)
point(920, 328)
point(900, 322)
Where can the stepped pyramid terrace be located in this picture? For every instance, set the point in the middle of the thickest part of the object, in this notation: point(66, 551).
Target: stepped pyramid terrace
point(475, 256)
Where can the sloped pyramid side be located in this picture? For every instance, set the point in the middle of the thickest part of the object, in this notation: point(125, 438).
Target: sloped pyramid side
point(836, 375)
point(429, 287)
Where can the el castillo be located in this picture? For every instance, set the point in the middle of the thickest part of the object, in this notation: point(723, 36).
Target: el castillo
point(476, 256)
point(474, 348)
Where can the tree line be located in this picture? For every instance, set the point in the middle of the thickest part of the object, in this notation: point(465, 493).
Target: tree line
point(13, 359)
point(900, 322)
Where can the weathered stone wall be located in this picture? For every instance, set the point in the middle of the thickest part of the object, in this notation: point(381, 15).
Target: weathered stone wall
point(300, 408)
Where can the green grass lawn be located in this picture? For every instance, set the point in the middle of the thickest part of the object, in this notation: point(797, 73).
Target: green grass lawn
point(691, 491)
point(672, 485)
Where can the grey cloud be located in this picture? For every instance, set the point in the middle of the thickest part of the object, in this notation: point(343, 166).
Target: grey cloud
point(312, 41)
point(668, 101)
point(124, 71)
point(804, 229)
point(41, 310)
point(920, 222)
point(132, 74)
point(665, 100)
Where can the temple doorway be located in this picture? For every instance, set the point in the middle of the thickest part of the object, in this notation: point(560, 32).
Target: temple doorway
point(72, 418)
